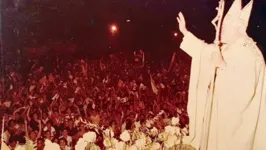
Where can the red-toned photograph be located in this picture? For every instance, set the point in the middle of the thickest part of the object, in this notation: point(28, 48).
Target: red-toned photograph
point(132, 74)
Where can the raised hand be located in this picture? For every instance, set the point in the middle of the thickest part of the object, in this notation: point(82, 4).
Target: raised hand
point(182, 23)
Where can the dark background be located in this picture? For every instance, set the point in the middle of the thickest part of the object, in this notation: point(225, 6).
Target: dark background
point(38, 23)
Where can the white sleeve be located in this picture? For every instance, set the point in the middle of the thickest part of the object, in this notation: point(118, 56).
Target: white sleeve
point(193, 46)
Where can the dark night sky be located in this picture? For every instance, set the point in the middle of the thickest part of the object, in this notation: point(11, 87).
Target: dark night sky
point(85, 22)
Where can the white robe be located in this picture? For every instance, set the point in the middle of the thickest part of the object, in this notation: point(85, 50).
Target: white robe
point(233, 117)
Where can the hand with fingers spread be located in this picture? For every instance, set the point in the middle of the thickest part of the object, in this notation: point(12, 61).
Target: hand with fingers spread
point(182, 23)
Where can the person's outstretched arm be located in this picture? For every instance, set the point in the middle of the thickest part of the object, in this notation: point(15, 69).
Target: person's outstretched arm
point(196, 47)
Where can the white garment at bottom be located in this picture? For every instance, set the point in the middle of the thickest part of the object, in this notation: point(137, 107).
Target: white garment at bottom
point(232, 117)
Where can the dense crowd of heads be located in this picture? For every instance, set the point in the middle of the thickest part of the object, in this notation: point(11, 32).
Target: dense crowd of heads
point(88, 95)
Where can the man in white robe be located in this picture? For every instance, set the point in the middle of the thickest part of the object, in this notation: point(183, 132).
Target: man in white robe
point(228, 113)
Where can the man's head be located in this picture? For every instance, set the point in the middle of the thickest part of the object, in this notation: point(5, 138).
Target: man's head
point(11, 123)
point(45, 115)
point(35, 116)
point(70, 122)
point(12, 142)
point(69, 110)
point(48, 134)
point(40, 144)
point(82, 127)
point(65, 132)
point(33, 135)
point(49, 124)
point(62, 143)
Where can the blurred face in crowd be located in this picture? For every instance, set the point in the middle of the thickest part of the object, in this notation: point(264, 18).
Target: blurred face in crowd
point(56, 114)
point(141, 117)
point(69, 111)
point(131, 107)
point(17, 116)
point(45, 115)
point(40, 144)
point(113, 124)
point(79, 102)
point(149, 116)
point(66, 124)
point(49, 125)
point(131, 116)
point(35, 116)
point(70, 123)
point(65, 133)
point(62, 143)
point(70, 104)
point(63, 108)
point(48, 135)
point(11, 126)
point(82, 127)
point(33, 135)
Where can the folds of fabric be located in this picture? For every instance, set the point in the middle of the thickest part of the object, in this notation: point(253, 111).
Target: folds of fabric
point(231, 117)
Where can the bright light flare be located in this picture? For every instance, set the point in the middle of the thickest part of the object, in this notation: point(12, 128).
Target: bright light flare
point(113, 28)
point(175, 34)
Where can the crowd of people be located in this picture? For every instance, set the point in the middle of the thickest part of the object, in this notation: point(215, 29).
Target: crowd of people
point(91, 95)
